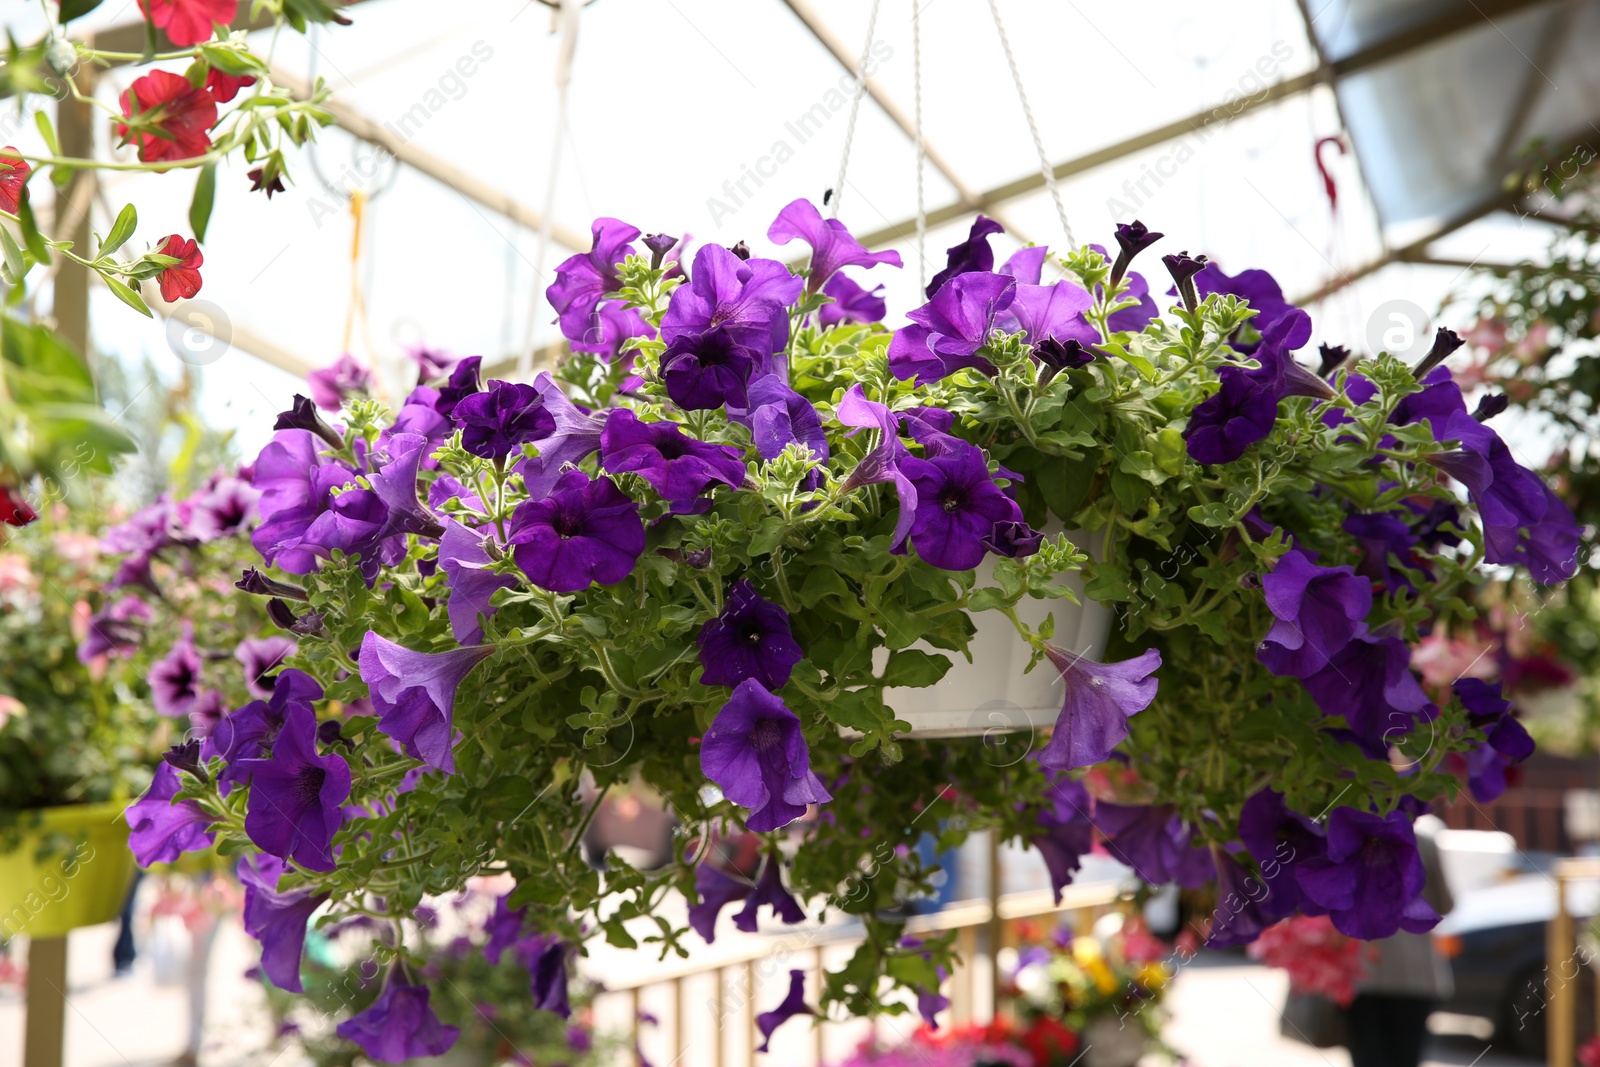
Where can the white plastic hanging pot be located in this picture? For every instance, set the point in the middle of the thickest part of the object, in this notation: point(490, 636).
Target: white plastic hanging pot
point(995, 692)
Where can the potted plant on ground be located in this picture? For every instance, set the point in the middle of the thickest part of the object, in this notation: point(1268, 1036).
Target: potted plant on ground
point(748, 517)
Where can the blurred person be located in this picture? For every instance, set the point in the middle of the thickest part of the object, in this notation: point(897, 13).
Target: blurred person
point(1406, 978)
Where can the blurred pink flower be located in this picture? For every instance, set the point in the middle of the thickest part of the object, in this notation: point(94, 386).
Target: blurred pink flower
point(1444, 660)
point(15, 574)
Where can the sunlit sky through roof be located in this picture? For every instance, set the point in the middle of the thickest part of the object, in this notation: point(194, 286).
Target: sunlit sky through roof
point(707, 116)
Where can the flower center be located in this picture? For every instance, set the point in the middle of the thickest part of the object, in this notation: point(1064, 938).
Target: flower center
point(953, 499)
point(567, 523)
point(765, 734)
point(751, 634)
point(308, 785)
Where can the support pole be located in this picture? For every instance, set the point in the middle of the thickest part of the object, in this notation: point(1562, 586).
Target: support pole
point(45, 1027)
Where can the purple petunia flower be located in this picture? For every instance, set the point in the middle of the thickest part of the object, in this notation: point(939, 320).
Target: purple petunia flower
point(611, 325)
point(1100, 698)
point(463, 382)
point(505, 929)
point(584, 280)
point(1506, 743)
point(431, 362)
point(706, 371)
point(115, 629)
point(679, 467)
point(958, 506)
point(465, 562)
point(778, 417)
point(1026, 265)
point(331, 385)
point(832, 246)
point(1156, 842)
point(750, 639)
point(1013, 540)
point(159, 831)
point(793, 1004)
point(1233, 418)
point(746, 302)
point(1369, 682)
point(414, 694)
point(175, 677)
point(716, 891)
point(261, 658)
point(1049, 312)
point(295, 795)
point(222, 509)
point(1318, 610)
point(883, 463)
point(496, 423)
point(419, 415)
point(973, 254)
point(1279, 839)
point(394, 481)
point(1067, 834)
point(297, 485)
point(277, 919)
point(757, 755)
point(1383, 536)
point(248, 731)
point(400, 1025)
point(947, 333)
point(1244, 904)
point(851, 303)
point(546, 960)
point(769, 892)
point(577, 434)
point(1370, 881)
point(585, 531)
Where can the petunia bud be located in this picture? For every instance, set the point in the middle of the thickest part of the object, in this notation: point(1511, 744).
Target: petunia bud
point(262, 181)
point(1063, 355)
point(186, 757)
point(1132, 238)
point(659, 245)
point(1183, 269)
point(329, 733)
point(283, 617)
point(1014, 540)
point(280, 614)
point(303, 416)
point(253, 581)
point(741, 250)
point(1491, 405)
point(1333, 357)
point(1444, 343)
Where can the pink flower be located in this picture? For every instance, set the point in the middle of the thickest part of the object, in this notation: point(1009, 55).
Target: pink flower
point(182, 281)
point(174, 117)
point(13, 174)
point(225, 86)
point(189, 22)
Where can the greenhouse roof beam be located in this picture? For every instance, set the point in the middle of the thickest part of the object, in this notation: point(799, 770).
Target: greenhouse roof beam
point(1428, 32)
point(818, 29)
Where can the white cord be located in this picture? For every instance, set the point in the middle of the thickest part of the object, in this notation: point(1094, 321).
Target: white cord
point(855, 107)
point(922, 155)
point(567, 20)
point(1033, 128)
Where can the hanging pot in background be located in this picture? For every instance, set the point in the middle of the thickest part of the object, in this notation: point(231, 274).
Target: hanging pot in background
point(82, 881)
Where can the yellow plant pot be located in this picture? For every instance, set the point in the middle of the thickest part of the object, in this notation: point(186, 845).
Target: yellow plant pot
point(82, 883)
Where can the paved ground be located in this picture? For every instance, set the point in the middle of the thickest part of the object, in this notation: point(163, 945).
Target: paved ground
point(1223, 1013)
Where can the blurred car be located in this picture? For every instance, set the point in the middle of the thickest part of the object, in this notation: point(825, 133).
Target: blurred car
point(1495, 942)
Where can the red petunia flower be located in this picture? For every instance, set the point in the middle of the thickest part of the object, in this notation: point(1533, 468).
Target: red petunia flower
point(13, 173)
point(182, 281)
point(14, 511)
point(182, 113)
point(225, 86)
point(189, 22)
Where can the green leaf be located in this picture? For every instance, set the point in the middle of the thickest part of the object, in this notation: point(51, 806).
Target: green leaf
point(767, 536)
point(1107, 581)
point(121, 230)
point(13, 256)
point(46, 130)
point(31, 237)
point(1213, 514)
point(913, 667)
point(72, 9)
point(205, 195)
point(128, 296)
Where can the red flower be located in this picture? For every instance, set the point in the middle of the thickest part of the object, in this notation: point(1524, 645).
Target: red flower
point(189, 22)
point(181, 112)
point(1049, 1042)
point(225, 86)
point(14, 511)
point(13, 173)
point(182, 281)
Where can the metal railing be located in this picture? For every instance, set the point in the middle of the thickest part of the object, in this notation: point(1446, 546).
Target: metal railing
point(713, 998)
